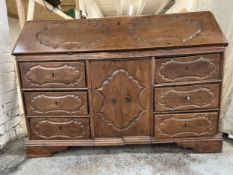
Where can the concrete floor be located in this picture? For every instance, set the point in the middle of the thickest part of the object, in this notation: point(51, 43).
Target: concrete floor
point(129, 160)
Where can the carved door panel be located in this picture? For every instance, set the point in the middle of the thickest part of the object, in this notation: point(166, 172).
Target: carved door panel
point(121, 97)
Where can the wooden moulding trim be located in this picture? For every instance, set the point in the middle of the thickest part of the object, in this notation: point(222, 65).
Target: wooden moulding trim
point(187, 83)
point(188, 139)
point(120, 55)
point(54, 89)
point(185, 111)
point(118, 141)
point(58, 116)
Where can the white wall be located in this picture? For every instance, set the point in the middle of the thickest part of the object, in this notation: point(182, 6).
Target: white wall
point(90, 9)
point(180, 5)
point(10, 115)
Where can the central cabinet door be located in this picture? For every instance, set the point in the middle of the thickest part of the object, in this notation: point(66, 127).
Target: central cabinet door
point(121, 92)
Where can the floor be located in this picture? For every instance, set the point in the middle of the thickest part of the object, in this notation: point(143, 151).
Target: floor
point(129, 160)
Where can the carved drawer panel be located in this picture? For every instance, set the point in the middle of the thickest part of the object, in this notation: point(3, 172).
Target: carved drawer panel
point(186, 125)
point(56, 103)
point(191, 68)
point(59, 128)
point(187, 97)
point(53, 74)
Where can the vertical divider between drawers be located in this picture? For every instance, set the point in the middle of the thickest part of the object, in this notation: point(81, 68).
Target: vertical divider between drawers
point(90, 107)
point(152, 96)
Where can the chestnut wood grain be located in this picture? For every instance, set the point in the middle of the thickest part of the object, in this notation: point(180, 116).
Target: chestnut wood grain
point(188, 29)
point(120, 97)
point(192, 68)
point(193, 97)
point(53, 74)
point(56, 103)
point(59, 128)
point(186, 125)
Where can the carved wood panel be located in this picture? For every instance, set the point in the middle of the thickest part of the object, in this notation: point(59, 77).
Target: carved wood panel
point(53, 74)
point(56, 103)
point(187, 97)
point(75, 39)
point(191, 68)
point(111, 34)
point(160, 34)
point(59, 128)
point(121, 97)
point(186, 125)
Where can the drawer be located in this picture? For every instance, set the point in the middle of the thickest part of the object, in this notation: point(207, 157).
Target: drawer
point(186, 125)
point(191, 68)
point(56, 103)
point(53, 74)
point(186, 97)
point(59, 128)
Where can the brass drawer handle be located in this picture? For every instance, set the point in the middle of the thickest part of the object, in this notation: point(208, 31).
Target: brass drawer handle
point(128, 99)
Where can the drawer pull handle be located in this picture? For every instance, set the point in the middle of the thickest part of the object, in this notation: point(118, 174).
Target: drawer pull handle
point(56, 103)
point(128, 99)
point(53, 75)
point(114, 100)
point(187, 98)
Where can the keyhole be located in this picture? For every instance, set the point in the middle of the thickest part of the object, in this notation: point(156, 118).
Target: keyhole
point(187, 68)
point(114, 100)
point(185, 125)
point(59, 127)
point(118, 23)
point(56, 102)
point(53, 74)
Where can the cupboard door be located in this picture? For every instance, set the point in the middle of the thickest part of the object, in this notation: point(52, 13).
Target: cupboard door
point(121, 97)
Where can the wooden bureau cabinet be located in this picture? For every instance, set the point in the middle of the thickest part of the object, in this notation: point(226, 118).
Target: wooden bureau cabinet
point(126, 80)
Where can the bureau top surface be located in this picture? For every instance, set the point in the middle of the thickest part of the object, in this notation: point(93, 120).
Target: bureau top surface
point(120, 33)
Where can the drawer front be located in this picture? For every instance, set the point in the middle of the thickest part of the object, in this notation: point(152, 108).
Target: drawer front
point(59, 128)
point(56, 103)
point(53, 74)
point(186, 125)
point(186, 97)
point(191, 68)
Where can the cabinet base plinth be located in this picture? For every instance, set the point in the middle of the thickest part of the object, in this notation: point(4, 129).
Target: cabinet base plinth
point(43, 151)
point(209, 146)
point(45, 148)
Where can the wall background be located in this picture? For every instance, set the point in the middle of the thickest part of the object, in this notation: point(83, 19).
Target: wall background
point(10, 110)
